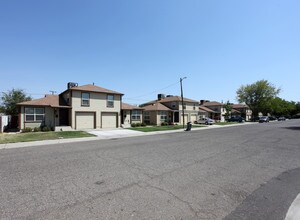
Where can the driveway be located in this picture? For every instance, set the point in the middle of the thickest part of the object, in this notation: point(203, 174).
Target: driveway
point(115, 133)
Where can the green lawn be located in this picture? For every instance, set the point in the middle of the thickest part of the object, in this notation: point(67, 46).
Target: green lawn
point(161, 128)
point(40, 136)
point(226, 123)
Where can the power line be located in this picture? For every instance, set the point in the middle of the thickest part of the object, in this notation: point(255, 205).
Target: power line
point(156, 91)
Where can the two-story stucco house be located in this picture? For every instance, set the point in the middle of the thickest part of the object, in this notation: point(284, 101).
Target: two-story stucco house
point(79, 107)
point(242, 110)
point(169, 109)
point(213, 109)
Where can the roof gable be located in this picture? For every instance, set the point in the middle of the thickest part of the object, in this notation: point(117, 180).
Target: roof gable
point(93, 88)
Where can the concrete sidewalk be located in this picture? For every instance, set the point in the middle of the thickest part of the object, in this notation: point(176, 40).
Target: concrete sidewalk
point(102, 134)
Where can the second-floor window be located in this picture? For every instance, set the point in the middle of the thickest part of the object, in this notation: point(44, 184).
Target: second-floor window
point(85, 99)
point(110, 101)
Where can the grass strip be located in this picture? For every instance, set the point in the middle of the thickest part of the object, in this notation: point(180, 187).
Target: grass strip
point(40, 136)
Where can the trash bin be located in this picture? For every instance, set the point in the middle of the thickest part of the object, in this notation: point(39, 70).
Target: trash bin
point(188, 126)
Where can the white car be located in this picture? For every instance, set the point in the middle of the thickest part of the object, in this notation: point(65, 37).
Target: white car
point(206, 121)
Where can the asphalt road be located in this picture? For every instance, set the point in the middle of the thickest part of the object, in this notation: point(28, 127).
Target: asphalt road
point(243, 172)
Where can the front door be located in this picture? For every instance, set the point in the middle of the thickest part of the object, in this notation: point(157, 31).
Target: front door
point(63, 117)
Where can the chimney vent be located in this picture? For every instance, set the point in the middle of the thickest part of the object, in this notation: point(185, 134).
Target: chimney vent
point(161, 96)
point(72, 84)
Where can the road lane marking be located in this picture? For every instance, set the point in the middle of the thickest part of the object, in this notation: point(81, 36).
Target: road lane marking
point(294, 210)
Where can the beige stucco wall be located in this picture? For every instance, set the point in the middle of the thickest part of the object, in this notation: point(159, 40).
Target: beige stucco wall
point(49, 118)
point(98, 102)
point(189, 106)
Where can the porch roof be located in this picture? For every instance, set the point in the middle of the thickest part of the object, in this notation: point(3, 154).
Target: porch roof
point(53, 101)
point(126, 106)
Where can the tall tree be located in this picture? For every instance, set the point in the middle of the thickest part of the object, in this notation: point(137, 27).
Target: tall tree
point(281, 107)
point(258, 96)
point(228, 108)
point(10, 100)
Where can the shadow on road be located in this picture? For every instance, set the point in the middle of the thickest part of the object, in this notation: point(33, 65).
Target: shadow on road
point(271, 200)
point(292, 128)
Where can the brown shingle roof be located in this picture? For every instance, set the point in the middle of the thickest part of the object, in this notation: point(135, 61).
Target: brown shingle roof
point(170, 99)
point(239, 106)
point(156, 107)
point(206, 109)
point(48, 100)
point(93, 88)
point(213, 103)
point(126, 106)
point(176, 99)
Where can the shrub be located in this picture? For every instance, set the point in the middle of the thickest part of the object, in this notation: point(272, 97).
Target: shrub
point(26, 130)
point(36, 129)
point(46, 128)
point(164, 124)
point(143, 124)
point(138, 125)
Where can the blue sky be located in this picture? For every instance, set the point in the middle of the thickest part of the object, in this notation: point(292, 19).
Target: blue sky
point(143, 47)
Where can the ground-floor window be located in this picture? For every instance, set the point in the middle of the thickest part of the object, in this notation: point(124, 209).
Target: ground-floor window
point(34, 114)
point(163, 116)
point(136, 115)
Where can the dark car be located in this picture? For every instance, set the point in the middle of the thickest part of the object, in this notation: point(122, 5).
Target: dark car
point(263, 119)
point(272, 118)
point(236, 119)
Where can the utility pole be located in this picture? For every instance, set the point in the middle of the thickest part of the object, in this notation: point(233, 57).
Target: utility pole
point(182, 104)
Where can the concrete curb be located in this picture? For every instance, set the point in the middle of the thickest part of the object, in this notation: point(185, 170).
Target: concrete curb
point(107, 137)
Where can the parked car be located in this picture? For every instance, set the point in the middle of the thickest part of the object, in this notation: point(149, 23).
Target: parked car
point(207, 121)
point(236, 119)
point(272, 118)
point(281, 118)
point(263, 119)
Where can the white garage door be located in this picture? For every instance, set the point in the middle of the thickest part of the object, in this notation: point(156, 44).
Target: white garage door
point(85, 120)
point(109, 119)
point(193, 118)
point(185, 118)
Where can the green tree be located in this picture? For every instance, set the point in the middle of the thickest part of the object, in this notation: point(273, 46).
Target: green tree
point(10, 100)
point(258, 96)
point(228, 108)
point(281, 107)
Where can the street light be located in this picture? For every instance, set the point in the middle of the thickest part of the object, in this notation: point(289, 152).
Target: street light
point(181, 79)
